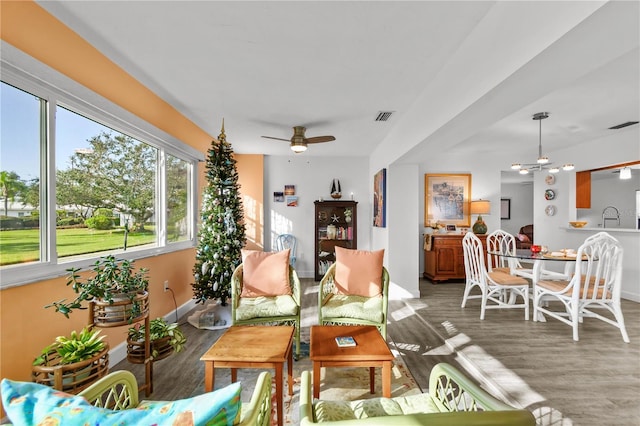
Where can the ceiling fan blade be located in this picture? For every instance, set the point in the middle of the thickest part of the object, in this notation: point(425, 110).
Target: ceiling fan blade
point(319, 139)
point(278, 139)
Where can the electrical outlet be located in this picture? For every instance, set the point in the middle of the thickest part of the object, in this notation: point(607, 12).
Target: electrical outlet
point(166, 285)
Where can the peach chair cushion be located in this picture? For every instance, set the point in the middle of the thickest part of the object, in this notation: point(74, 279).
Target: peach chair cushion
point(265, 273)
point(358, 272)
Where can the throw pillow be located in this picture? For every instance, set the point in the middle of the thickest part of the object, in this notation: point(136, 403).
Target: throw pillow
point(29, 403)
point(359, 272)
point(523, 238)
point(265, 273)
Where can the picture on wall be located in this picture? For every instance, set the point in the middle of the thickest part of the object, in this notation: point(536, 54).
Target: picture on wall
point(380, 199)
point(278, 197)
point(292, 201)
point(505, 208)
point(289, 190)
point(447, 198)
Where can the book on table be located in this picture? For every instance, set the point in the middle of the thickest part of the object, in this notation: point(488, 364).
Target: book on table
point(345, 341)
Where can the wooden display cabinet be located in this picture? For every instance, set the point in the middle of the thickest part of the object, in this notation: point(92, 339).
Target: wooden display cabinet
point(445, 260)
point(334, 226)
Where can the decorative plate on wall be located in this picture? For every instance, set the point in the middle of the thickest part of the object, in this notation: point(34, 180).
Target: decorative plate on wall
point(549, 194)
point(550, 210)
point(550, 179)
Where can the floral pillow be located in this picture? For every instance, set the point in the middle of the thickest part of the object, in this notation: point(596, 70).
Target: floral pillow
point(523, 238)
point(29, 403)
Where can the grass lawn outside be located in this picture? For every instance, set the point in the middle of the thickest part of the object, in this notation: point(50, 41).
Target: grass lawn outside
point(23, 245)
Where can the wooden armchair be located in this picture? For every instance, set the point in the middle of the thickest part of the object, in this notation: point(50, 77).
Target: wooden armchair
point(277, 310)
point(342, 309)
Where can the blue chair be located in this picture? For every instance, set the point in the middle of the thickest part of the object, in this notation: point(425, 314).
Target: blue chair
point(287, 241)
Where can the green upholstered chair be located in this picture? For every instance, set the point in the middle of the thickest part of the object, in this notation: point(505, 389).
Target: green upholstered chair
point(343, 309)
point(452, 400)
point(277, 310)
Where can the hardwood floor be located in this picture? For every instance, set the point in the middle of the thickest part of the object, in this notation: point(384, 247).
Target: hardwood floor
point(534, 365)
point(538, 366)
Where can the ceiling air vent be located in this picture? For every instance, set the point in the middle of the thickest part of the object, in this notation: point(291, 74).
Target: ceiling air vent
point(620, 126)
point(383, 116)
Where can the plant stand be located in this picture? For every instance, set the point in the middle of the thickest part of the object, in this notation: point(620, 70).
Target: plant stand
point(71, 378)
point(116, 314)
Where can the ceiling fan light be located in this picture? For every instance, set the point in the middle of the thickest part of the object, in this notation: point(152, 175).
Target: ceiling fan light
point(524, 171)
point(567, 167)
point(543, 160)
point(516, 166)
point(298, 148)
point(554, 170)
point(625, 173)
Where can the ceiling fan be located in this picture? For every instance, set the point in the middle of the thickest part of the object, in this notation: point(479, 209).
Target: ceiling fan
point(299, 141)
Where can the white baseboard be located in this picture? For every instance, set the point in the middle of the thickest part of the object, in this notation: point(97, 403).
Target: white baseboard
point(119, 353)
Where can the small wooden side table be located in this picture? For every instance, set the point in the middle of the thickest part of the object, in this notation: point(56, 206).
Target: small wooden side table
point(371, 351)
point(252, 347)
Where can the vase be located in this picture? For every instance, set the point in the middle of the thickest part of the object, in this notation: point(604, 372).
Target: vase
point(331, 232)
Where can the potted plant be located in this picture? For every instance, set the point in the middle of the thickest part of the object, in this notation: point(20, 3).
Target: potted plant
point(114, 284)
point(165, 339)
point(74, 362)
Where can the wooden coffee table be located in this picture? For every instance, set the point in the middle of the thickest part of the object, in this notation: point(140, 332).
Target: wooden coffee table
point(252, 347)
point(371, 351)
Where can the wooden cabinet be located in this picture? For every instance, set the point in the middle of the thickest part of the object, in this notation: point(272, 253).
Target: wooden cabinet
point(335, 225)
point(445, 258)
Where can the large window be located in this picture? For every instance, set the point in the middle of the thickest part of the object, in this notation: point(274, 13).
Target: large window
point(21, 134)
point(77, 183)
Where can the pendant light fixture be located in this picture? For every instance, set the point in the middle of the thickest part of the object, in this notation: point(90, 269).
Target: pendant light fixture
point(542, 162)
point(625, 173)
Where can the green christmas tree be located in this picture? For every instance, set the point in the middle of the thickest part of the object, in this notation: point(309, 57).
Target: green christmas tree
point(221, 235)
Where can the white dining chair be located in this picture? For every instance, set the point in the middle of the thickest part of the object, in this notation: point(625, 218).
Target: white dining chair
point(492, 285)
point(595, 284)
point(288, 241)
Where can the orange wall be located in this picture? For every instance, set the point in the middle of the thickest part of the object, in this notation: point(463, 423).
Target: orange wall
point(250, 176)
point(25, 326)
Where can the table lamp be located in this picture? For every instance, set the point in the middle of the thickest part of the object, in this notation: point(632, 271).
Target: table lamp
point(480, 207)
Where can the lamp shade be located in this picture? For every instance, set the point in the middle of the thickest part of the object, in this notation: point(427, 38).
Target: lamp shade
point(481, 207)
point(625, 173)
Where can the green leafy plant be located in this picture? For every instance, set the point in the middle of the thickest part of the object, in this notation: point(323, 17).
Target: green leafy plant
point(111, 277)
point(75, 348)
point(158, 329)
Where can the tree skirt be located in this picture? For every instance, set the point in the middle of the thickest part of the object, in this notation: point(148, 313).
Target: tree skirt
point(213, 317)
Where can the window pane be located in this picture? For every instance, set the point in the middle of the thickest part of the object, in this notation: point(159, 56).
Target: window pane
point(105, 188)
point(20, 141)
point(178, 225)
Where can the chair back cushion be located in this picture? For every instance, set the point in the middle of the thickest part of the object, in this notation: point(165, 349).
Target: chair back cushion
point(265, 273)
point(358, 272)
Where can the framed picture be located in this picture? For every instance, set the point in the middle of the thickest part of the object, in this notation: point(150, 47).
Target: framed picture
point(289, 190)
point(380, 199)
point(292, 201)
point(447, 198)
point(278, 197)
point(451, 228)
point(505, 208)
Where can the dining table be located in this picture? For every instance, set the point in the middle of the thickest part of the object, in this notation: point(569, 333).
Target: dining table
point(537, 271)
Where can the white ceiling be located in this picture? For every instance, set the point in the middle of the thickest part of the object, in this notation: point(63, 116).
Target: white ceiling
point(467, 75)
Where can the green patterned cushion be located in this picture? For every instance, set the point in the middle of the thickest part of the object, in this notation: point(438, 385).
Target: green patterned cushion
point(266, 307)
point(359, 307)
point(377, 407)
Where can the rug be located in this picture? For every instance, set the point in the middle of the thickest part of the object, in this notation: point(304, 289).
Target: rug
point(343, 384)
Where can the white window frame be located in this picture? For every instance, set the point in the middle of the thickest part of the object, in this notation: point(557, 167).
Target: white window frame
point(30, 75)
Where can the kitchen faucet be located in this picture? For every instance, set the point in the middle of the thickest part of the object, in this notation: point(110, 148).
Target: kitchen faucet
point(610, 213)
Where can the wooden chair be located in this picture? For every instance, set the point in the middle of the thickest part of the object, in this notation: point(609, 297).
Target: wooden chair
point(119, 391)
point(288, 241)
point(493, 285)
point(342, 309)
point(596, 283)
point(278, 310)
